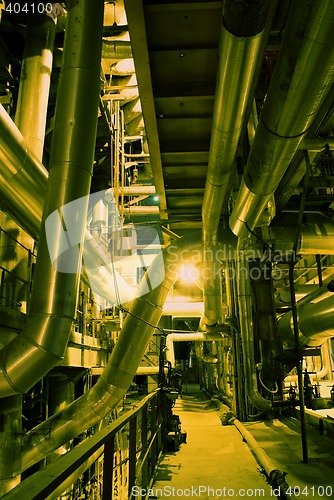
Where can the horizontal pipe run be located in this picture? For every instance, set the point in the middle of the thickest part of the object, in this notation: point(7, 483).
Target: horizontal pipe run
point(315, 319)
point(275, 476)
point(135, 190)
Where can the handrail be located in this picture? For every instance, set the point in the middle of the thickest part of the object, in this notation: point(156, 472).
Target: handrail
point(44, 482)
point(2, 230)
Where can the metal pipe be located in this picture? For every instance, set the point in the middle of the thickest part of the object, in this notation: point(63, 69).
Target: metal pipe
point(315, 318)
point(141, 321)
point(315, 238)
point(33, 96)
point(32, 354)
point(275, 477)
point(116, 49)
point(102, 275)
point(186, 337)
point(317, 143)
point(135, 190)
point(23, 184)
point(240, 50)
point(246, 331)
point(149, 370)
point(30, 118)
point(303, 76)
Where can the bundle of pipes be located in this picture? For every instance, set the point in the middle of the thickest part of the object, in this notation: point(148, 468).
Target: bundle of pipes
point(303, 76)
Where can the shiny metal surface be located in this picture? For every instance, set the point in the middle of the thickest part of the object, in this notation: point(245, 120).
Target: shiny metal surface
point(238, 68)
point(32, 354)
point(315, 318)
point(315, 238)
point(246, 331)
point(32, 101)
point(248, 206)
point(302, 78)
point(187, 337)
point(140, 323)
point(22, 178)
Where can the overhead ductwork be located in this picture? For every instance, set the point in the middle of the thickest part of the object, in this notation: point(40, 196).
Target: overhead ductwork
point(240, 52)
point(315, 314)
point(303, 76)
point(139, 325)
point(32, 354)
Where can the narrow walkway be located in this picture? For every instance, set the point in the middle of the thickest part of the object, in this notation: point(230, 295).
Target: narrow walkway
point(215, 463)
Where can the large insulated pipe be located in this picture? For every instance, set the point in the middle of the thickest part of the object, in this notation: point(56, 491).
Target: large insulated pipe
point(22, 178)
point(247, 333)
point(30, 118)
point(315, 319)
point(139, 325)
point(303, 76)
point(240, 50)
point(41, 345)
point(187, 337)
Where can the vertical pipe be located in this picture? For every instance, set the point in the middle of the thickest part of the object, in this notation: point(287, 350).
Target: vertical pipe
point(54, 297)
point(30, 118)
point(298, 349)
point(247, 335)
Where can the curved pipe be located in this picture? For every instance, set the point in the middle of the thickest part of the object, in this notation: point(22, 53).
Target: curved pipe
point(187, 337)
point(246, 331)
point(315, 319)
point(302, 78)
point(240, 50)
point(141, 321)
point(42, 343)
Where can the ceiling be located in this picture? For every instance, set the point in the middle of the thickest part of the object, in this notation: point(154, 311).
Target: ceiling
point(175, 48)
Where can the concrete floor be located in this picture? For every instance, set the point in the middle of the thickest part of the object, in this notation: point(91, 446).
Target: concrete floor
point(282, 442)
point(215, 463)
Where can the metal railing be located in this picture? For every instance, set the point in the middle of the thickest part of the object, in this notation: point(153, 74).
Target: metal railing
point(144, 450)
